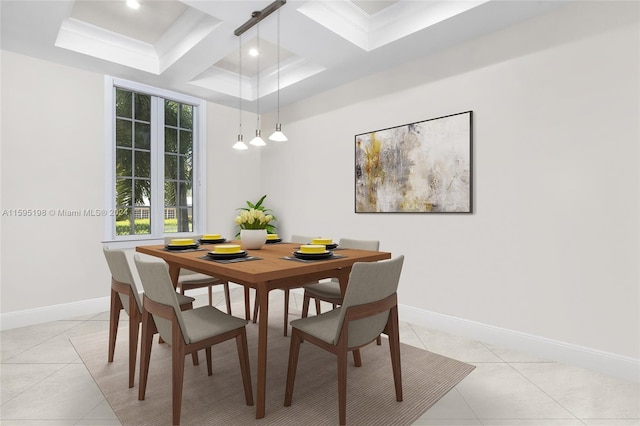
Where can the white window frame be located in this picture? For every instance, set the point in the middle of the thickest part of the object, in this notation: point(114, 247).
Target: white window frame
point(157, 174)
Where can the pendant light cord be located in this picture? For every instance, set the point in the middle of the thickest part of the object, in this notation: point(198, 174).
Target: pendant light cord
point(258, 76)
point(278, 65)
point(240, 85)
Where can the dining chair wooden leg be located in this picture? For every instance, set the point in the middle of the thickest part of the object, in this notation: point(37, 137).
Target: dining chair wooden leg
point(177, 374)
point(394, 348)
point(318, 307)
point(210, 294)
point(342, 383)
point(134, 328)
point(243, 357)
point(207, 352)
point(286, 312)
point(357, 358)
point(305, 305)
point(378, 340)
point(294, 351)
point(227, 296)
point(148, 329)
point(114, 319)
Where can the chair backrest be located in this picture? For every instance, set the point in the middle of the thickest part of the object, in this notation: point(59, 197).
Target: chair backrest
point(158, 287)
point(167, 240)
point(300, 239)
point(359, 244)
point(121, 272)
point(369, 282)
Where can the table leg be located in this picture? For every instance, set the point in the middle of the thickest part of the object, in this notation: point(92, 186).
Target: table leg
point(343, 278)
point(247, 308)
point(174, 273)
point(262, 298)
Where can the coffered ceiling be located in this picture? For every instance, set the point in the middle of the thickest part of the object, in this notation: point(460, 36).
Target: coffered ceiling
point(189, 46)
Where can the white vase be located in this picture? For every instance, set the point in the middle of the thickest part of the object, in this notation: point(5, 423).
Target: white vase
point(253, 239)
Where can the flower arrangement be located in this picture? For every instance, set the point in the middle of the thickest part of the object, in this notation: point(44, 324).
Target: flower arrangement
point(256, 216)
point(253, 219)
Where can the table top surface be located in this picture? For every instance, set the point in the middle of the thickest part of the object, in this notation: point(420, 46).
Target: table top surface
point(271, 266)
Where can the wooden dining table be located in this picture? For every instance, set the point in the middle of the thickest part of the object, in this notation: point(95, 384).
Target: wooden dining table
point(272, 270)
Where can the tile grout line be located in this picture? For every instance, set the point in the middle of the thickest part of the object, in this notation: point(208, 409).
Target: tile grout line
point(64, 365)
point(542, 390)
point(455, 387)
point(96, 383)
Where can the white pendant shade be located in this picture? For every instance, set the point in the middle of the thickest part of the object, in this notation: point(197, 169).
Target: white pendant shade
point(257, 141)
point(278, 136)
point(240, 144)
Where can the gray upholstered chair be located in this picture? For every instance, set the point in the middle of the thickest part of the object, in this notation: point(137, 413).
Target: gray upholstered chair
point(188, 331)
point(124, 295)
point(369, 307)
point(188, 280)
point(330, 291)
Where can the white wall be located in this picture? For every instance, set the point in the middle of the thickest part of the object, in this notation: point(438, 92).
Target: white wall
point(53, 158)
point(551, 249)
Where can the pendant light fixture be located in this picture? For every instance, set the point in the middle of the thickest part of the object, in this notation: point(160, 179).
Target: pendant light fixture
point(278, 136)
point(240, 143)
point(258, 141)
point(256, 17)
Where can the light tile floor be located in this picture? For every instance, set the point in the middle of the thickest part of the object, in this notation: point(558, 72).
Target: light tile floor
point(44, 382)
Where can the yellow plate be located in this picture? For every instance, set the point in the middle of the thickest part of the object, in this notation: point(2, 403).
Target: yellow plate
point(227, 248)
point(272, 236)
point(312, 248)
point(324, 241)
point(182, 242)
point(212, 237)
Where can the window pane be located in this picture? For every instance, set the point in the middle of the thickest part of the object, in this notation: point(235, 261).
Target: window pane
point(123, 162)
point(143, 107)
point(123, 223)
point(184, 194)
point(170, 166)
point(185, 168)
point(186, 116)
point(186, 142)
point(171, 113)
point(142, 192)
point(143, 226)
point(170, 140)
point(123, 103)
point(143, 164)
point(170, 194)
point(123, 132)
point(171, 221)
point(143, 135)
point(124, 194)
point(185, 221)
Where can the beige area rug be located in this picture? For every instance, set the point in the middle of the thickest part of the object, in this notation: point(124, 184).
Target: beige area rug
point(219, 399)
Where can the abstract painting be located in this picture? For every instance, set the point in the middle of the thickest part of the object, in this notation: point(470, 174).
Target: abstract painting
point(422, 167)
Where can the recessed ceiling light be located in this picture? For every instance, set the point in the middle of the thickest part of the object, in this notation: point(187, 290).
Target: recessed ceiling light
point(254, 52)
point(133, 4)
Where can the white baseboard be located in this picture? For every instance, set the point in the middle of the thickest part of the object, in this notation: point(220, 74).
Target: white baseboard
point(53, 313)
point(63, 311)
point(611, 364)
